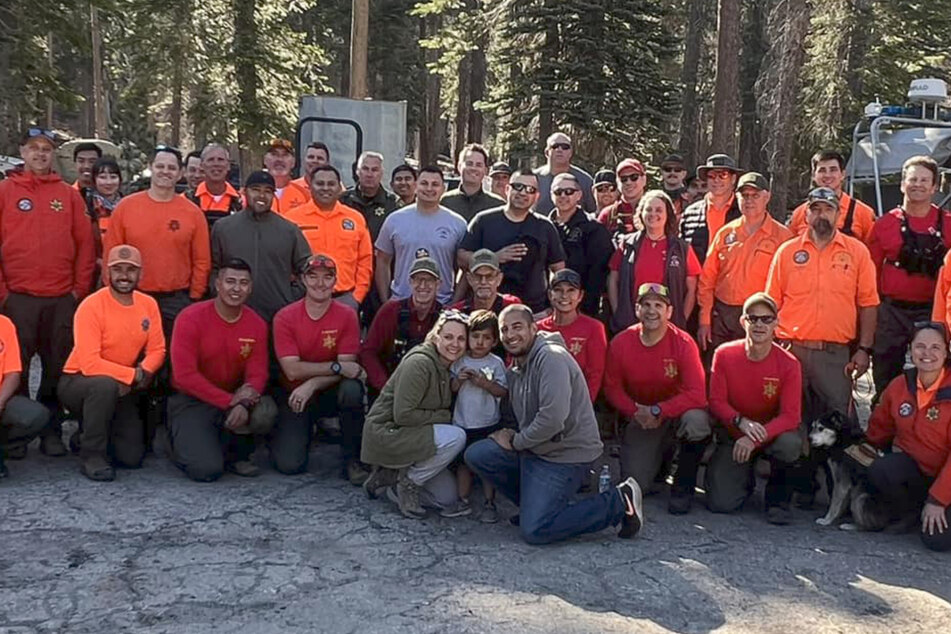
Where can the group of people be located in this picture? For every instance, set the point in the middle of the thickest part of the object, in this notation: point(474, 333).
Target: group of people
point(464, 335)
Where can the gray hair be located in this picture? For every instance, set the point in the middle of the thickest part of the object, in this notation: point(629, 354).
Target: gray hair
point(211, 147)
point(369, 154)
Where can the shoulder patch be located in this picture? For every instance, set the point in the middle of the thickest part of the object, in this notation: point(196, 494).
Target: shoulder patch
point(348, 224)
point(801, 256)
point(25, 204)
point(905, 409)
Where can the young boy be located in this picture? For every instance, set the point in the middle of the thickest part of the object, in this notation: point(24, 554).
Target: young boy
point(479, 380)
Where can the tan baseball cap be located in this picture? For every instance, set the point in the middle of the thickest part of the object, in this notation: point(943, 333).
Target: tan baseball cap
point(124, 254)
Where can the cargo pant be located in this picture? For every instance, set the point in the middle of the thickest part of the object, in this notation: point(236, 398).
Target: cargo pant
point(896, 321)
point(21, 421)
point(109, 425)
point(642, 450)
point(729, 483)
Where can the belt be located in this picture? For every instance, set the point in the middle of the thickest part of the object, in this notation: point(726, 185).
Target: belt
point(810, 344)
point(165, 294)
point(900, 303)
point(337, 294)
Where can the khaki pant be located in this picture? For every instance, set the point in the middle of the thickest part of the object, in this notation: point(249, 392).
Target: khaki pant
point(642, 450)
point(729, 483)
point(109, 425)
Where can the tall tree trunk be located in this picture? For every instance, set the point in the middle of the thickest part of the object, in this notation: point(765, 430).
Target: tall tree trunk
point(51, 62)
point(429, 132)
point(754, 49)
point(546, 120)
point(248, 118)
point(725, 102)
point(477, 90)
point(690, 112)
point(359, 45)
point(858, 48)
point(463, 105)
point(98, 90)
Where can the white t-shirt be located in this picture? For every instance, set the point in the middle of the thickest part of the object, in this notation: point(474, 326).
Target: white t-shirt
point(476, 408)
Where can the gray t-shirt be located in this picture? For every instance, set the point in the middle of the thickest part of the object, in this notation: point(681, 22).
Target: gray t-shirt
point(476, 408)
point(408, 234)
point(585, 182)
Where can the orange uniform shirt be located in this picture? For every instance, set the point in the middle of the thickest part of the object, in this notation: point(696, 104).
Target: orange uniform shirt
point(342, 234)
point(737, 264)
point(716, 216)
point(303, 184)
point(9, 348)
point(207, 202)
point(293, 196)
point(942, 290)
point(862, 220)
point(172, 237)
point(110, 337)
point(819, 292)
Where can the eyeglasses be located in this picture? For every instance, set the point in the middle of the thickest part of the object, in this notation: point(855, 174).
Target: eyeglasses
point(567, 191)
point(560, 146)
point(632, 178)
point(32, 133)
point(719, 175)
point(522, 187)
point(761, 319)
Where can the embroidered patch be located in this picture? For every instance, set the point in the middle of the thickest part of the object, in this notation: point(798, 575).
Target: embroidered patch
point(379, 211)
point(800, 257)
point(329, 339)
point(674, 261)
point(125, 253)
point(56, 204)
point(173, 225)
point(932, 414)
point(577, 345)
point(770, 387)
point(670, 368)
point(905, 409)
point(145, 324)
point(730, 238)
point(348, 224)
point(422, 253)
point(25, 204)
point(247, 347)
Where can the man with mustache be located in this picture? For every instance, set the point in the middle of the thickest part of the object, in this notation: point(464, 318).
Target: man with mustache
point(824, 284)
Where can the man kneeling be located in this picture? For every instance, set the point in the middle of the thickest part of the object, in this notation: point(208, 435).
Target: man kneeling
point(118, 347)
point(756, 396)
point(219, 371)
point(542, 466)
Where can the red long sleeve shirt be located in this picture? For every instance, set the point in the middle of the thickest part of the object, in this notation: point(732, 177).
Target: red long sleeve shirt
point(768, 391)
point(47, 247)
point(924, 433)
point(588, 344)
point(379, 344)
point(212, 358)
point(668, 374)
point(884, 246)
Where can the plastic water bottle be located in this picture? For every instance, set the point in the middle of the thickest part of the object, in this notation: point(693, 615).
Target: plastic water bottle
point(604, 480)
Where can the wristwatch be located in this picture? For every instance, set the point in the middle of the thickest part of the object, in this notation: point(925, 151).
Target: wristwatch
point(655, 410)
point(335, 368)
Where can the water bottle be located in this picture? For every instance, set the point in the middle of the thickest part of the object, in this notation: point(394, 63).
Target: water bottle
point(604, 480)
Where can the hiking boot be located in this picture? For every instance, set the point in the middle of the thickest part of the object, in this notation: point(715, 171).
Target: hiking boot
point(633, 519)
point(52, 445)
point(780, 515)
point(357, 473)
point(490, 514)
point(98, 469)
point(378, 481)
point(244, 468)
point(407, 495)
point(680, 502)
point(16, 452)
point(685, 478)
point(459, 509)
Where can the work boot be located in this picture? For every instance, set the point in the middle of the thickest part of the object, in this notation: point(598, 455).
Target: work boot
point(779, 514)
point(52, 445)
point(356, 473)
point(16, 452)
point(244, 468)
point(98, 469)
point(407, 493)
point(377, 482)
point(74, 444)
point(685, 480)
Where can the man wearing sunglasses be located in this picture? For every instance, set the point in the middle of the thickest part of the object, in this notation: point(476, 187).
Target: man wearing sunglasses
point(605, 190)
point(47, 256)
point(621, 217)
point(559, 151)
point(756, 397)
point(526, 243)
point(673, 174)
point(702, 219)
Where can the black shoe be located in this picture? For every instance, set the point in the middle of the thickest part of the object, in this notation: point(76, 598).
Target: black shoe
point(53, 446)
point(805, 501)
point(74, 444)
point(4, 472)
point(680, 502)
point(779, 515)
point(515, 520)
point(16, 452)
point(633, 499)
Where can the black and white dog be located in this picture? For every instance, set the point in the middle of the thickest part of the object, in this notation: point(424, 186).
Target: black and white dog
point(829, 437)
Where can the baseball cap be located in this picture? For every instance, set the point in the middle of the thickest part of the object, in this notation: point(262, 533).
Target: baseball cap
point(630, 164)
point(500, 168)
point(124, 254)
point(605, 177)
point(673, 159)
point(484, 257)
point(260, 177)
point(752, 179)
point(281, 144)
point(565, 275)
point(425, 265)
point(760, 299)
point(320, 261)
point(823, 195)
point(652, 289)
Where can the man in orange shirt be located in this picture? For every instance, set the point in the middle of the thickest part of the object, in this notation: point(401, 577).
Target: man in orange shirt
point(824, 283)
point(21, 418)
point(279, 161)
point(214, 195)
point(119, 348)
point(702, 219)
point(339, 231)
point(317, 154)
point(855, 217)
point(738, 263)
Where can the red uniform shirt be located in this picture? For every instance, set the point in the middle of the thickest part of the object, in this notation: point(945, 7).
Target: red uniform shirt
point(501, 301)
point(884, 246)
point(588, 344)
point(379, 344)
point(668, 374)
point(212, 358)
point(47, 248)
point(652, 262)
point(767, 391)
point(924, 433)
point(322, 340)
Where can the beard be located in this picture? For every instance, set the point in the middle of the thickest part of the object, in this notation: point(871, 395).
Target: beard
point(823, 228)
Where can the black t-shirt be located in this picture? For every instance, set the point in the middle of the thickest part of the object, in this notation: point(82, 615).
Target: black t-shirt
point(528, 279)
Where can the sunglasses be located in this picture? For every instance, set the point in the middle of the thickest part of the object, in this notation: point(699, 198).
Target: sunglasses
point(632, 178)
point(567, 191)
point(719, 175)
point(522, 187)
point(601, 187)
point(320, 261)
point(761, 319)
point(455, 315)
point(32, 133)
point(669, 169)
point(560, 146)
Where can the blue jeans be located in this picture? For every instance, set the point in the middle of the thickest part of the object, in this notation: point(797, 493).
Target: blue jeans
point(544, 492)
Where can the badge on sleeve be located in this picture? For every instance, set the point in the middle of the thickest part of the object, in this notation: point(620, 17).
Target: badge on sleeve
point(730, 238)
point(145, 324)
point(25, 204)
point(348, 224)
point(801, 256)
point(905, 409)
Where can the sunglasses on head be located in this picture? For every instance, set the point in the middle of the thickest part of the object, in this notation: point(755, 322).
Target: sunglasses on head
point(560, 146)
point(32, 133)
point(566, 191)
point(932, 325)
point(522, 187)
point(455, 315)
point(761, 319)
point(633, 178)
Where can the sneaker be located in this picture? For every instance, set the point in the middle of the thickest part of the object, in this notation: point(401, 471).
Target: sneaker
point(779, 515)
point(407, 497)
point(96, 468)
point(459, 509)
point(633, 519)
point(52, 445)
point(379, 479)
point(244, 468)
point(489, 513)
point(16, 452)
point(357, 473)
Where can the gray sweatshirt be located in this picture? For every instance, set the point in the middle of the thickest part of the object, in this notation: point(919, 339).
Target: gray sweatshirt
point(550, 397)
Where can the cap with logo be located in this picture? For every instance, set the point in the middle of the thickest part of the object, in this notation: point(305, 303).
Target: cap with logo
point(425, 265)
point(605, 177)
point(823, 195)
point(760, 299)
point(484, 257)
point(652, 290)
point(567, 276)
point(630, 164)
point(320, 261)
point(718, 162)
point(281, 144)
point(500, 168)
point(754, 180)
point(124, 254)
point(260, 177)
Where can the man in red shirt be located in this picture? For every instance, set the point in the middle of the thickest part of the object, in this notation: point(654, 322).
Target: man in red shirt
point(655, 380)
point(907, 245)
point(401, 324)
point(316, 341)
point(47, 257)
point(219, 372)
point(621, 217)
point(584, 336)
point(756, 397)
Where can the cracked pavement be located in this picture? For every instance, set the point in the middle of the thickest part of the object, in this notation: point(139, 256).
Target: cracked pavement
point(154, 552)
